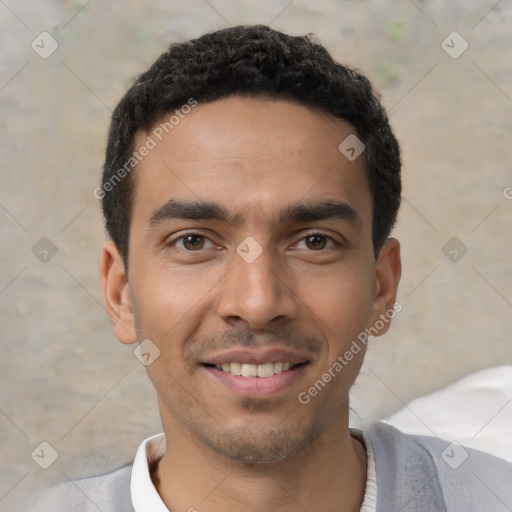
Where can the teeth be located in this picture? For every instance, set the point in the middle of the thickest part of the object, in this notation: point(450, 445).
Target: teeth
point(266, 370)
point(235, 368)
point(249, 370)
point(254, 370)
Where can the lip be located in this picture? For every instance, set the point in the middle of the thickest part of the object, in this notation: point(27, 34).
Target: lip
point(256, 357)
point(256, 387)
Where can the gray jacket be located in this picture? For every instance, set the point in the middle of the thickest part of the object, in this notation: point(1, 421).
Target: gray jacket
point(414, 474)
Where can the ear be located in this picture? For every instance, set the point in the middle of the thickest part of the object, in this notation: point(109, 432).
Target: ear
point(116, 293)
point(388, 270)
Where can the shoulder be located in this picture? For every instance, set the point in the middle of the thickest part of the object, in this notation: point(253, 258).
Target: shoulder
point(432, 474)
point(108, 493)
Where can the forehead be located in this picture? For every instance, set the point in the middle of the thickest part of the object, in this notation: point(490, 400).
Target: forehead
point(251, 155)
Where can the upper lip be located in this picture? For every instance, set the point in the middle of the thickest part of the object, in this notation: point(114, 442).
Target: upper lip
point(274, 355)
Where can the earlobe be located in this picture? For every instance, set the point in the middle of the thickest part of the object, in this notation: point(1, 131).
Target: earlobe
point(388, 271)
point(116, 293)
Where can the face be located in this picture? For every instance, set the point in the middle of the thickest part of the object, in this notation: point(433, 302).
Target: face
point(251, 269)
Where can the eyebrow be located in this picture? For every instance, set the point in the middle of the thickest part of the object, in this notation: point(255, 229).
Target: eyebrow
point(191, 210)
point(317, 211)
point(294, 213)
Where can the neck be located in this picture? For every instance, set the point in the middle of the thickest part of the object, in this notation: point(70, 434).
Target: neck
point(191, 477)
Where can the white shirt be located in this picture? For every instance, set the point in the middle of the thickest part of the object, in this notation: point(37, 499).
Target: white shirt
point(145, 497)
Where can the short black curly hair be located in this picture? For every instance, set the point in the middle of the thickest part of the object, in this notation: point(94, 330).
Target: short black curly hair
point(254, 61)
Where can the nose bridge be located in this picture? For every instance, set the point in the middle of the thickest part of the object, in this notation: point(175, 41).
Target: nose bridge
point(255, 292)
point(258, 278)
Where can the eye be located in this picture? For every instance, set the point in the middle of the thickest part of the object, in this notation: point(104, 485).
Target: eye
point(191, 242)
point(316, 242)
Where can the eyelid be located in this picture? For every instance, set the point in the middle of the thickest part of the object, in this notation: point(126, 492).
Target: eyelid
point(172, 240)
point(313, 232)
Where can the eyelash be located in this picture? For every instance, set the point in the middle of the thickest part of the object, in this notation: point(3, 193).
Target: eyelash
point(174, 241)
point(328, 239)
point(334, 243)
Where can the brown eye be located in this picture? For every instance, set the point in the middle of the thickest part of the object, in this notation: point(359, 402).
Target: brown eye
point(193, 242)
point(316, 242)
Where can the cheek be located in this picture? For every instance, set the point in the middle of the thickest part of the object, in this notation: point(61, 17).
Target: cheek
point(167, 295)
point(169, 306)
point(343, 300)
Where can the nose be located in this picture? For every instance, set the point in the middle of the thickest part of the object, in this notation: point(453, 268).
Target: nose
point(257, 292)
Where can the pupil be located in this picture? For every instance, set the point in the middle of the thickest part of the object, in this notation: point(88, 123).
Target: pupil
point(193, 242)
point(316, 242)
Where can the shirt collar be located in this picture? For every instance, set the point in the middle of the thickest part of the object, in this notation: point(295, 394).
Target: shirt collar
point(145, 497)
point(370, 492)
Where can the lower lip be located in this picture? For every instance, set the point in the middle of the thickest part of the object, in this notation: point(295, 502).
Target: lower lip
point(257, 387)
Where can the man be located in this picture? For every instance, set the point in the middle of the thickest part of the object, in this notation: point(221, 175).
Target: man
point(250, 187)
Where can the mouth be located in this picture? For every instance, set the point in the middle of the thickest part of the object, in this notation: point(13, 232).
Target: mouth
point(252, 374)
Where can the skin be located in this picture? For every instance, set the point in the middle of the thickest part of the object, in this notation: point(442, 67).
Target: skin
point(195, 297)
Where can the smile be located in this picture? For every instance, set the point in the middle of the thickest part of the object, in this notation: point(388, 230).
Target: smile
point(257, 381)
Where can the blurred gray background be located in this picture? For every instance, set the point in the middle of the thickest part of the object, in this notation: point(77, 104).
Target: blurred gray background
point(65, 379)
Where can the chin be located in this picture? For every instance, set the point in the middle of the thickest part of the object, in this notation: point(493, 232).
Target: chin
point(249, 447)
